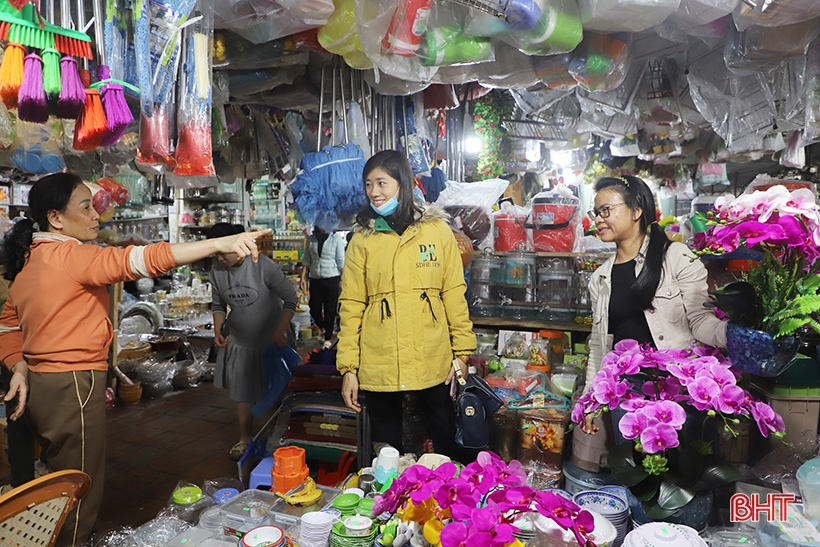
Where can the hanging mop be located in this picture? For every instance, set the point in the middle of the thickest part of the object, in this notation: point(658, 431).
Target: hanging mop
point(329, 190)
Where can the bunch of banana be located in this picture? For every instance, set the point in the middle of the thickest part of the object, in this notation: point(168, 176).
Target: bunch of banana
point(305, 497)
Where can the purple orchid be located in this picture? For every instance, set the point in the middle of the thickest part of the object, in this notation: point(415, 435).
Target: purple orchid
point(583, 526)
point(390, 500)
point(459, 496)
point(732, 399)
point(608, 391)
point(659, 437)
point(767, 419)
point(665, 412)
point(702, 392)
point(685, 372)
point(557, 507)
point(632, 424)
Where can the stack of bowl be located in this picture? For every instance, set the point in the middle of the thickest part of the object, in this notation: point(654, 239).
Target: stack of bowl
point(613, 508)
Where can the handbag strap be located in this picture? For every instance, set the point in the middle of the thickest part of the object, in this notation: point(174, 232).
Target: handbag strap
point(459, 376)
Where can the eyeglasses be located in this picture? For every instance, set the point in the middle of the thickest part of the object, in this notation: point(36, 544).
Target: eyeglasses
point(602, 212)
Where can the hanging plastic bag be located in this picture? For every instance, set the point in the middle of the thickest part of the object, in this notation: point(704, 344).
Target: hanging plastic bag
point(601, 61)
point(557, 30)
point(7, 132)
point(36, 149)
point(340, 36)
point(102, 201)
point(449, 46)
point(358, 129)
point(261, 22)
point(795, 153)
point(702, 12)
point(118, 192)
point(758, 49)
point(776, 14)
point(154, 148)
point(194, 157)
point(625, 15)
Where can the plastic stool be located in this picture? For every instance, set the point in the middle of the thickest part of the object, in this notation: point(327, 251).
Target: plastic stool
point(261, 474)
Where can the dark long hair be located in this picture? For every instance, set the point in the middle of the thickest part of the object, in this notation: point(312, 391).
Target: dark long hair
point(396, 165)
point(50, 193)
point(636, 194)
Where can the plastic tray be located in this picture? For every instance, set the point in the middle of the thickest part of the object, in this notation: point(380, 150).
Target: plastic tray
point(249, 509)
point(284, 514)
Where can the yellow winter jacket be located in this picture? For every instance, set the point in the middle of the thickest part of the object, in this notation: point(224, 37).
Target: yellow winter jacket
point(403, 310)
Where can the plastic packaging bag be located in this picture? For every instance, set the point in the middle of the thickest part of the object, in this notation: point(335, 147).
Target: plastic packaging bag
point(470, 205)
point(340, 36)
point(36, 149)
point(186, 502)
point(702, 12)
point(812, 123)
point(159, 531)
point(557, 29)
point(261, 21)
point(625, 15)
point(102, 201)
point(233, 52)
point(601, 61)
point(7, 132)
point(153, 146)
point(194, 157)
point(118, 192)
point(447, 45)
point(783, 12)
point(758, 48)
point(795, 153)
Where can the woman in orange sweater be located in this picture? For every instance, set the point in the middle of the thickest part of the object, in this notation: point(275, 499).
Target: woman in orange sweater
point(55, 332)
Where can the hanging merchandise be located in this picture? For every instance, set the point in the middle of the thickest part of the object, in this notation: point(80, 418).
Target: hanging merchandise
point(812, 79)
point(407, 26)
point(783, 12)
point(118, 192)
point(71, 99)
point(102, 201)
point(601, 61)
point(261, 22)
point(340, 36)
point(625, 15)
point(558, 29)
point(117, 114)
point(51, 60)
point(153, 148)
point(449, 46)
point(194, 157)
point(758, 49)
point(142, 55)
point(702, 12)
point(328, 191)
point(409, 138)
point(114, 38)
point(795, 153)
point(7, 127)
point(91, 126)
point(553, 71)
point(31, 98)
point(11, 74)
point(36, 149)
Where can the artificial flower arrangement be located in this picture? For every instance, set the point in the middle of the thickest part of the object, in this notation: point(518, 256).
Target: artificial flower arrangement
point(778, 296)
point(665, 465)
point(477, 506)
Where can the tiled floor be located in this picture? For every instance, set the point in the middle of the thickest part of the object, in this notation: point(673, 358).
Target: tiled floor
point(184, 436)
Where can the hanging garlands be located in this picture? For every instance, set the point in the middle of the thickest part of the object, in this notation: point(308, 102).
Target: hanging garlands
point(488, 112)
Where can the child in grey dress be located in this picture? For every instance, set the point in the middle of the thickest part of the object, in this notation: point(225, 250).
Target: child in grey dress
point(262, 303)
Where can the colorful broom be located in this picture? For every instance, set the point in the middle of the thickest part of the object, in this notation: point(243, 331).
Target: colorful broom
point(117, 113)
point(51, 61)
point(72, 93)
point(32, 105)
point(11, 74)
point(91, 126)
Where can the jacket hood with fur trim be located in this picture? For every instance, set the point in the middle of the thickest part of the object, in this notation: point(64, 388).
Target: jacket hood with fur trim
point(430, 213)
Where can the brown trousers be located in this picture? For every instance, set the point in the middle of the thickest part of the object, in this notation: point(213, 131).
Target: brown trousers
point(67, 414)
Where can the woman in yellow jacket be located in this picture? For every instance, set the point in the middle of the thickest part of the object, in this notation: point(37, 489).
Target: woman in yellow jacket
point(403, 311)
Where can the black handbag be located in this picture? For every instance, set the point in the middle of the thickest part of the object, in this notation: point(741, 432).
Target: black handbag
point(475, 401)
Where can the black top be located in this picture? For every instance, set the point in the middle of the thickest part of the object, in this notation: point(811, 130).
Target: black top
point(321, 237)
point(626, 320)
point(398, 226)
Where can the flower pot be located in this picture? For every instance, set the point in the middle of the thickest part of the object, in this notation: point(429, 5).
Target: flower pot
point(130, 395)
point(756, 352)
point(694, 514)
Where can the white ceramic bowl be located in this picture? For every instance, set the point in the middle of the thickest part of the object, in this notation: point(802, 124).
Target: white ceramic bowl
point(272, 536)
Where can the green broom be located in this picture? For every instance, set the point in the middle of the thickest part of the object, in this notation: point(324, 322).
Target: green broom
point(51, 61)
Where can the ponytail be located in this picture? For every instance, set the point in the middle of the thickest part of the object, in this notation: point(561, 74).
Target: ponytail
point(637, 195)
point(50, 193)
point(17, 247)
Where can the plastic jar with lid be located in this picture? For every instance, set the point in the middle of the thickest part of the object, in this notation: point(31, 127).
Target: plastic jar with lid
point(555, 346)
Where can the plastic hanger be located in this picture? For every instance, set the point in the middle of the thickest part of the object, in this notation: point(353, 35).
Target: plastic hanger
point(539, 397)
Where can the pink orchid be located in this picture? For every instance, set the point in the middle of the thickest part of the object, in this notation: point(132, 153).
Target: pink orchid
point(732, 399)
point(767, 419)
point(666, 412)
point(659, 437)
point(457, 494)
point(632, 424)
point(557, 507)
point(583, 526)
point(703, 392)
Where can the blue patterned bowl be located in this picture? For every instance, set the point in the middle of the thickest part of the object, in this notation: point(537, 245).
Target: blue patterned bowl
point(605, 503)
point(756, 352)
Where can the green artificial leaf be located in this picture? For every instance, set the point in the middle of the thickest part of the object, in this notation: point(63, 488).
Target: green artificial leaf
point(656, 512)
point(810, 284)
point(647, 489)
point(788, 326)
point(672, 494)
point(690, 464)
point(716, 474)
point(702, 447)
point(621, 460)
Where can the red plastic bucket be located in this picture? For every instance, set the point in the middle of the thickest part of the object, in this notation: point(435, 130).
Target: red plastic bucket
point(554, 224)
point(510, 232)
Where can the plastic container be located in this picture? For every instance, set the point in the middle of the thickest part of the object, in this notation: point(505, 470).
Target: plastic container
point(565, 379)
point(542, 437)
point(192, 537)
point(248, 510)
point(286, 483)
point(211, 519)
point(510, 230)
point(663, 534)
point(284, 515)
point(289, 459)
point(264, 536)
point(358, 526)
point(519, 276)
point(555, 287)
point(555, 350)
point(555, 222)
point(808, 476)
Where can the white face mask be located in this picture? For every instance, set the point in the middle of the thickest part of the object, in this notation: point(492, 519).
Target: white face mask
point(387, 208)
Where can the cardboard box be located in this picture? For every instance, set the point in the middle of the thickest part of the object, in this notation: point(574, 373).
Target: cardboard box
point(5, 195)
point(20, 193)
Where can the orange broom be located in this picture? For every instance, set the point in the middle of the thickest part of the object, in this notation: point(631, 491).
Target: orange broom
point(11, 74)
point(91, 126)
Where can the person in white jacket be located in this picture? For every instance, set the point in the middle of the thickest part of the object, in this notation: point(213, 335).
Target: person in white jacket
point(324, 258)
point(652, 290)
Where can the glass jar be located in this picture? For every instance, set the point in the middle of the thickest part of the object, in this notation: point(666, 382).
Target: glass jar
point(516, 346)
point(539, 352)
point(554, 340)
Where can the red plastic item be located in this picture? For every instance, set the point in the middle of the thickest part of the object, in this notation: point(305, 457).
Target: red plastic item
point(102, 201)
point(194, 156)
point(118, 192)
point(307, 39)
point(554, 224)
point(289, 459)
point(285, 483)
point(153, 144)
point(510, 231)
point(407, 26)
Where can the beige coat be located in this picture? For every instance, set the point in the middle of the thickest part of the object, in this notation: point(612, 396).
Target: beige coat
point(678, 318)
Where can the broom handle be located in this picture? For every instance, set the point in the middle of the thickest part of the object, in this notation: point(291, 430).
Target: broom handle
point(81, 24)
point(99, 20)
point(321, 107)
point(342, 91)
point(49, 4)
point(65, 13)
point(333, 105)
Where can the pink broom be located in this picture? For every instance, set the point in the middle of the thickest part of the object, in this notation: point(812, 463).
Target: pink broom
point(31, 99)
point(117, 113)
point(72, 94)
